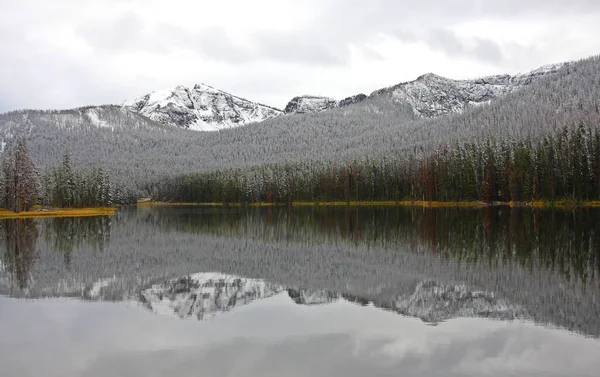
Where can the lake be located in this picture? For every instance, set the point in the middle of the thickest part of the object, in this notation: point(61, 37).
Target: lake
point(319, 291)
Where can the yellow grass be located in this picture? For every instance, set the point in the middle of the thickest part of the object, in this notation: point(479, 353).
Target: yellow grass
point(58, 212)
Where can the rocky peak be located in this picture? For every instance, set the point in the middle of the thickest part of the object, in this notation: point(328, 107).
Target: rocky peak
point(315, 104)
point(309, 104)
point(200, 108)
point(431, 95)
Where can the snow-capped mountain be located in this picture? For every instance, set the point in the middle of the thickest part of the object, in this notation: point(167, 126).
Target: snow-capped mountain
point(201, 108)
point(315, 104)
point(431, 95)
point(204, 108)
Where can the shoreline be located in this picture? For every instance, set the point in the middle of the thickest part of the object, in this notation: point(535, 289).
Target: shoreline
point(58, 212)
point(558, 204)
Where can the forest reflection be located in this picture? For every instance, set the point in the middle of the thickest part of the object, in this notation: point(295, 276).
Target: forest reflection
point(66, 234)
point(63, 234)
point(567, 241)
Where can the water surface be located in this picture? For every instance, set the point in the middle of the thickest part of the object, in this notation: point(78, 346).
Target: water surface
point(319, 291)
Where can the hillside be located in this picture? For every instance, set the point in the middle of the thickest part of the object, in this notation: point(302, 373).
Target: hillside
point(137, 149)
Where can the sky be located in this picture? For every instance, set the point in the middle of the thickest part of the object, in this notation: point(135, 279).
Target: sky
point(69, 53)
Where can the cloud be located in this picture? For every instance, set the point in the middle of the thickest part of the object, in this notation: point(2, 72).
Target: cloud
point(472, 48)
point(305, 47)
point(71, 53)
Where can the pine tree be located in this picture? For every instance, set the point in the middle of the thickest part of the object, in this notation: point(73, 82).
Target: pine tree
point(20, 179)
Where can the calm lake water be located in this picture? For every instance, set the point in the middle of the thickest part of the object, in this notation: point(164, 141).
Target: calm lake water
point(192, 291)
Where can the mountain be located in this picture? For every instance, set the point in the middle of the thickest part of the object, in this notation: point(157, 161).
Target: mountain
point(138, 150)
point(204, 108)
point(431, 95)
point(201, 108)
point(315, 104)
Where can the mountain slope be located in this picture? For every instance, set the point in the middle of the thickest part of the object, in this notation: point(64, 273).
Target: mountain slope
point(378, 126)
point(201, 108)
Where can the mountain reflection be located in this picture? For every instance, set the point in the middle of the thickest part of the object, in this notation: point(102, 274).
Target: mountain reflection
point(429, 263)
point(203, 296)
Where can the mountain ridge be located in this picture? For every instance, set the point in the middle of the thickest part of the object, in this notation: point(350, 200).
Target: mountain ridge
point(431, 95)
point(206, 108)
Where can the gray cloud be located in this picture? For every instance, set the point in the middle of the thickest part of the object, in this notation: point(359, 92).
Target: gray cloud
point(301, 47)
point(129, 33)
point(126, 32)
point(475, 48)
point(40, 74)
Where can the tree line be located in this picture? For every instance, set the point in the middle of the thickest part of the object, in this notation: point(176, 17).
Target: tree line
point(61, 186)
point(565, 165)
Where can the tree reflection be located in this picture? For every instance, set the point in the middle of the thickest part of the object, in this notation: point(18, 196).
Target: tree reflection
point(566, 241)
point(20, 236)
point(65, 234)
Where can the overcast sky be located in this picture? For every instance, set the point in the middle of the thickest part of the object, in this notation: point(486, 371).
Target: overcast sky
point(68, 53)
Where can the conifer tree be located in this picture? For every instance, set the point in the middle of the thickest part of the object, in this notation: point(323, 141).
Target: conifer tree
point(20, 179)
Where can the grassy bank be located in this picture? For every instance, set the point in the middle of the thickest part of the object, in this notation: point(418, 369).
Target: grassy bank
point(58, 212)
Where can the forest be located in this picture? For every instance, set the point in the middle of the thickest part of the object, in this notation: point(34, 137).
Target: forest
point(61, 186)
point(564, 166)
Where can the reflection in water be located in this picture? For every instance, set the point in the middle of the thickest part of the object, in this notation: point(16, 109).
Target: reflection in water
point(313, 297)
point(339, 287)
point(202, 296)
point(565, 241)
point(66, 234)
point(20, 237)
point(63, 235)
point(433, 264)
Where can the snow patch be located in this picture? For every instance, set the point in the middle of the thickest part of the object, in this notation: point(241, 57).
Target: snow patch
point(95, 119)
point(200, 108)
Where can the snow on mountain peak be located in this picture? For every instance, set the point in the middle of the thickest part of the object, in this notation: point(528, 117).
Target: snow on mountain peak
point(205, 108)
point(432, 95)
point(315, 104)
point(200, 108)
